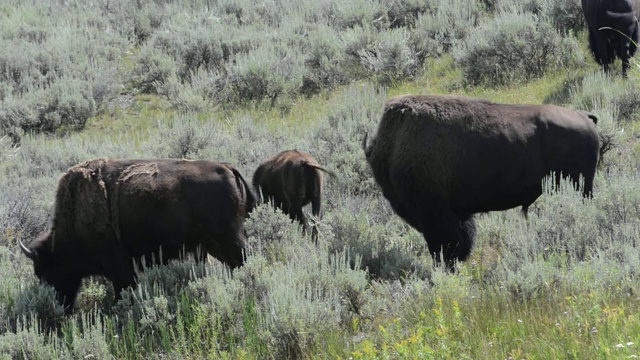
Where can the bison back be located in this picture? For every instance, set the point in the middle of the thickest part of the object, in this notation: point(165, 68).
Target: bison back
point(466, 154)
point(173, 204)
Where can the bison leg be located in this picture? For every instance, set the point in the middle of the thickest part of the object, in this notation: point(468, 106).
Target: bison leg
point(316, 204)
point(68, 292)
point(121, 272)
point(448, 235)
point(296, 214)
point(121, 284)
point(601, 48)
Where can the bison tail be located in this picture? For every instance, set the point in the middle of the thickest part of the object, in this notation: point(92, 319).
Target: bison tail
point(367, 151)
point(318, 167)
point(250, 200)
point(589, 115)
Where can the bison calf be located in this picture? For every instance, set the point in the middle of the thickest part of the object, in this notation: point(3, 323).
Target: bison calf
point(110, 213)
point(441, 159)
point(291, 180)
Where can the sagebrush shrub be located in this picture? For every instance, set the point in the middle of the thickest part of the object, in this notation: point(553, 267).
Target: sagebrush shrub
point(152, 70)
point(517, 7)
point(391, 58)
point(183, 137)
point(405, 13)
point(325, 61)
point(266, 73)
point(28, 342)
point(599, 91)
point(513, 48)
point(565, 15)
point(447, 23)
point(345, 14)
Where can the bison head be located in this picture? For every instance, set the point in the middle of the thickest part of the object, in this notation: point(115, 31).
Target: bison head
point(39, 251)
point(50, 271)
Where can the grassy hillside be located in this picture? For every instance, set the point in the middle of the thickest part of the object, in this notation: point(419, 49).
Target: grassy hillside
point(240, 80)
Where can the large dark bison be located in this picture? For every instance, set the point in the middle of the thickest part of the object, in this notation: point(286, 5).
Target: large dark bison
point(613, 30)
point(111, 213)
point(290, 180)
point(441, 159)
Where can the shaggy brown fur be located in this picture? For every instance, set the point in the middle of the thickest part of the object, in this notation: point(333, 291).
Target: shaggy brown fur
point(109, 212)
point(291, 180)
point(441, 159)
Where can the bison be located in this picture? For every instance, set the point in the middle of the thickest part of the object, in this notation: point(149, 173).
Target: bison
point(441, 159)
point(290, 180)
point(613, 30)
point(110, 214)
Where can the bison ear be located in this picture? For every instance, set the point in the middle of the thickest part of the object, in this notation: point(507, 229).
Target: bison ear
point(28, 252)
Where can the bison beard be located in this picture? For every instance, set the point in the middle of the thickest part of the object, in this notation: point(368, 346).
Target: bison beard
point(290, 180)
point(441, 159)
point(110, 214)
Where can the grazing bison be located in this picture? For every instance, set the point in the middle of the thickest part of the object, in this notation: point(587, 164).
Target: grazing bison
point(441, 159)
point(291, 180)
point(613, 30)
point(110, 213)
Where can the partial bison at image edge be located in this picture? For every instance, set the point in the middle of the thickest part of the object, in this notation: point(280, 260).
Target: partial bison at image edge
point(613, 30)
point(110, 213)
point(441, 159)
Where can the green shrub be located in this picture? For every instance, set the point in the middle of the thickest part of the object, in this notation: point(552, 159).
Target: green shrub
point(513, 48)
point(336, 140)
point(358, 41)
point(391, 58)
point(183, 137)
point(266, 72)
point(405, 13)
point(446, 24)
point(389, 249)
point(325, 62)
point(518, 7)
point(86, 338)
point(599, 91)
point(565, 15)
point(28, 342)
point(345, 14)
point(152, 70)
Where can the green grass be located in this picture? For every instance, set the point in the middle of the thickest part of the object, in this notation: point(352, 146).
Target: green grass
point(557, 326)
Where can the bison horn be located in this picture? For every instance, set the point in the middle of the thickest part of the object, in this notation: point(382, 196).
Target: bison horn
point(30, 254)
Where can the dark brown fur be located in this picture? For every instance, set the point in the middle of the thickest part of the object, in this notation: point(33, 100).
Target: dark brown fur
point(613, 30)
point(291, 180)
point(441, 159)
point(109, 212)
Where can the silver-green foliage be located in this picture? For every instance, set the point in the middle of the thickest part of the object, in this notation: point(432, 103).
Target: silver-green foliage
point(447, 23)
point(57, 73)
point(391, 57)
point(513, 48)
point(599, 91)
point(266, 72)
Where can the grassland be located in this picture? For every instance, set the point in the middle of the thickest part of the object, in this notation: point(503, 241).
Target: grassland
point(238, 81)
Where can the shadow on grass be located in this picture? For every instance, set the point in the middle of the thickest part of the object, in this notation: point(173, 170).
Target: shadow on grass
point(562, 95)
